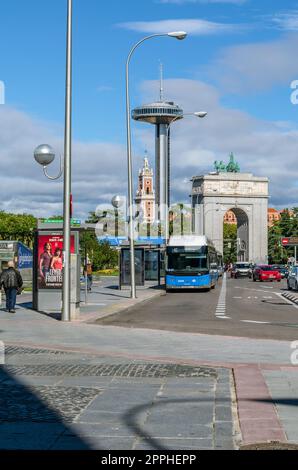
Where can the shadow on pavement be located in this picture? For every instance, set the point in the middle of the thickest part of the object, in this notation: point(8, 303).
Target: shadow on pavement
point(28, 423)
point(279, 401)
point(130, 418)
point(276, 303)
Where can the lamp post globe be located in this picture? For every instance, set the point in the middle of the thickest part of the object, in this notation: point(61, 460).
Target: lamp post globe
point(117, 201)
point(44, 154)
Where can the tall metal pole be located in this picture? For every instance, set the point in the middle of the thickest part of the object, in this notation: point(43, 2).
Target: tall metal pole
point(130, 189)
point(130, 173)
point(67, 170)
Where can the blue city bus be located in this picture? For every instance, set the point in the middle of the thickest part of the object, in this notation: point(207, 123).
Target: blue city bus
point(191, 263)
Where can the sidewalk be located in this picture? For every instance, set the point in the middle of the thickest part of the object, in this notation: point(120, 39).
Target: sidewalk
point(113, 387)
point(106, 299)
point(58, 401)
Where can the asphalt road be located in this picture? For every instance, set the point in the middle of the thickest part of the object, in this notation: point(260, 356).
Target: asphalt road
point(236, 307)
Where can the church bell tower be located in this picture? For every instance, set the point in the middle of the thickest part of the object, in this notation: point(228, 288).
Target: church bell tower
point(145, 197)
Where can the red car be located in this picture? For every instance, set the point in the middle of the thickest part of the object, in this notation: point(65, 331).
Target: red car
point(266, 273)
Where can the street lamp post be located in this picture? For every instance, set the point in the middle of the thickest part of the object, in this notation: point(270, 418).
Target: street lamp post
point(67, 170)
point(44, 155)
point(178, 35)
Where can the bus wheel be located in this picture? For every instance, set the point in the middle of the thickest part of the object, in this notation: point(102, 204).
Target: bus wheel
point(213, 287)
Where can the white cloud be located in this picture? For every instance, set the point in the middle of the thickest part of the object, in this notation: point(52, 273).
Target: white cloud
point(264, 148)
point(286, 21)
point(191, 26)
point(256, 66)
point(99, 168)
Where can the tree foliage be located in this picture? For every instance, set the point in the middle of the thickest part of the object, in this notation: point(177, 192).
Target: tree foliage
point(230, 243)
point(101, 255)
point(19, 227)
point(287, 226)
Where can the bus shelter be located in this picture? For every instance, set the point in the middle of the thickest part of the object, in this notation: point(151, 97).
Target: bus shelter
point(21, 255)
point(48, 268)
point(148, 264)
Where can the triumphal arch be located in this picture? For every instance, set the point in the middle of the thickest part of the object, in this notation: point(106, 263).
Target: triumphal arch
point(227, 189)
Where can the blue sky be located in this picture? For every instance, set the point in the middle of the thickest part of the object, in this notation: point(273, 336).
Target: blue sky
point(241, 54)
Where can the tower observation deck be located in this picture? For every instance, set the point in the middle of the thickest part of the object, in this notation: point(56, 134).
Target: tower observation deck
point(161, 114)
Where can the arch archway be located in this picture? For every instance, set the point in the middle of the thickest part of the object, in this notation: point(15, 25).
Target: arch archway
point(247, 196)
point(239, 244)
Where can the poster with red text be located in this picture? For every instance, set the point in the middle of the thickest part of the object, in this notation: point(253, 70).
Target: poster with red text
point(50, 260)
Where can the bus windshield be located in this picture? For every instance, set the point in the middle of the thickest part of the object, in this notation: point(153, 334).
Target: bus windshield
point(187, 259)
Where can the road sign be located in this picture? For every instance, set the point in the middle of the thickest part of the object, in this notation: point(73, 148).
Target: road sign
point(289, 241)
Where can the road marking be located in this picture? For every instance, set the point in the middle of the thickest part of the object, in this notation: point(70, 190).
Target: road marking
point(94, 303)
point(237, 297)
point(255, 290)
point(221, 306)
point(258, 322)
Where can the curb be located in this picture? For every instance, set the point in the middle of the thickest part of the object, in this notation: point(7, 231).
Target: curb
point(120, 307)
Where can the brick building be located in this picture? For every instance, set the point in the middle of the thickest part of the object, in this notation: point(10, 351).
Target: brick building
point(273, 216)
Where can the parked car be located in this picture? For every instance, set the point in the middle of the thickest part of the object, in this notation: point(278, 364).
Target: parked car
point(292, 280)
point(282, 269)
point(266, 273)
point(240, 269)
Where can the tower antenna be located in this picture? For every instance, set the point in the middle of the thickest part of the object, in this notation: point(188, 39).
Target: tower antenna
point(161, 95)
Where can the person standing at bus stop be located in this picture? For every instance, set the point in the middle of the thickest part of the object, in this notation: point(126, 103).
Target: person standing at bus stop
point(12, 282)
point(88, 273)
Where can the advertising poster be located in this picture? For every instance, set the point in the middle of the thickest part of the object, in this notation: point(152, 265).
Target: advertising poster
point(50, 262)
point(25, 257)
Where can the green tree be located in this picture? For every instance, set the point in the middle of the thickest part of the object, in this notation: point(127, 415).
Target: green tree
point(19, 227)
point(101, 255)
point(230, 243)
point(287, 226)
point(276, 252)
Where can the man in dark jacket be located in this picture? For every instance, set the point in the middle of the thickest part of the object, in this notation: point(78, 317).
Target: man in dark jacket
point(12, 281)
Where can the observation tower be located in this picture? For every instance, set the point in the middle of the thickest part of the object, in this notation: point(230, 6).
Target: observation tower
point(161, 114)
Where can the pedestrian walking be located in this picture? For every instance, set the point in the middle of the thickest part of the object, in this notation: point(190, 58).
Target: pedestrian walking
point(88, 273)
point(11, 280)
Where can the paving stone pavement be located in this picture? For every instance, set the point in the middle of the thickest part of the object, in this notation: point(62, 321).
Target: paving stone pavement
point(109, 403)
point(283, 386)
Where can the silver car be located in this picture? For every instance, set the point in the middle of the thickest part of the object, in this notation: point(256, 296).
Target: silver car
point(292, 280)
point(240, 269)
